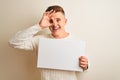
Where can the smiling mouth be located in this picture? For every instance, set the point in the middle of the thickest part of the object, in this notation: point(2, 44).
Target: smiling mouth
point(55, 28)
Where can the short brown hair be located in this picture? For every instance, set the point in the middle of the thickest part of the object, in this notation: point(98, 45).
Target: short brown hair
point(56, 8)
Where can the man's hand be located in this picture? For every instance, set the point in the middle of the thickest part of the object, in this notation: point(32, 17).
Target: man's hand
point(45, 21)
point(83, 62)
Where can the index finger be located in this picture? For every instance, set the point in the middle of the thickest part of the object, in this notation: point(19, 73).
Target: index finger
point(51, 12)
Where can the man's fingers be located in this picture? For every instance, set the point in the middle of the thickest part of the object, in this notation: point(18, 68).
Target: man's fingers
point(51, 13)
point(48, 12)
point(84, 63)
point(83, 66)
point(83, 58)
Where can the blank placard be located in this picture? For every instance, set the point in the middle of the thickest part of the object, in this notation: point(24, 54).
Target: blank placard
point(60, 54)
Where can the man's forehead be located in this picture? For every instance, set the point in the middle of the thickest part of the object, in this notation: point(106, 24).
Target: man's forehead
point(58, 14)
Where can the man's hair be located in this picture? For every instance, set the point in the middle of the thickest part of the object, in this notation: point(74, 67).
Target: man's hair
point(56, 8)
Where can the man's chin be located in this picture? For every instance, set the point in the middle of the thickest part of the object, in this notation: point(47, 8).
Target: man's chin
point(55, 33)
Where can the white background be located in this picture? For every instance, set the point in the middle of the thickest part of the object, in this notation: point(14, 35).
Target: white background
point(95, 21)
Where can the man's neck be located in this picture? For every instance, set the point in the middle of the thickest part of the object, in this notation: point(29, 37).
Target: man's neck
point(60, 36)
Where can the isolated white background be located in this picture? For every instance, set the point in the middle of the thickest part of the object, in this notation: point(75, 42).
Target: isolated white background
point(95, 21)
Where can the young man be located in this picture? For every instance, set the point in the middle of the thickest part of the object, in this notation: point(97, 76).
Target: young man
point(54, 18)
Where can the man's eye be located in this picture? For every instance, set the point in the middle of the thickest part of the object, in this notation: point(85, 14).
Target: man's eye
point(51, 21)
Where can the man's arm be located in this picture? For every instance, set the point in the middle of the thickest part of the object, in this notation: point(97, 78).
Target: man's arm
point(25, 39)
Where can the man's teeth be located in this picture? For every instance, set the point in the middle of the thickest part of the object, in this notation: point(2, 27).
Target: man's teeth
point(55, 28)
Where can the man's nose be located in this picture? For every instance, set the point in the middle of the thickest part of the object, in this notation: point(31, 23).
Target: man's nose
point(55, 23)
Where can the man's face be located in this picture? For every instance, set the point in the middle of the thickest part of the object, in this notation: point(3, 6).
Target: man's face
point(58, 22)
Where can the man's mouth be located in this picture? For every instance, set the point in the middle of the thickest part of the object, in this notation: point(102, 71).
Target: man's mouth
point(55, 27)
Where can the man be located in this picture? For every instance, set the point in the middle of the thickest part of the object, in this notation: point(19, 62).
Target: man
point(54, 18)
